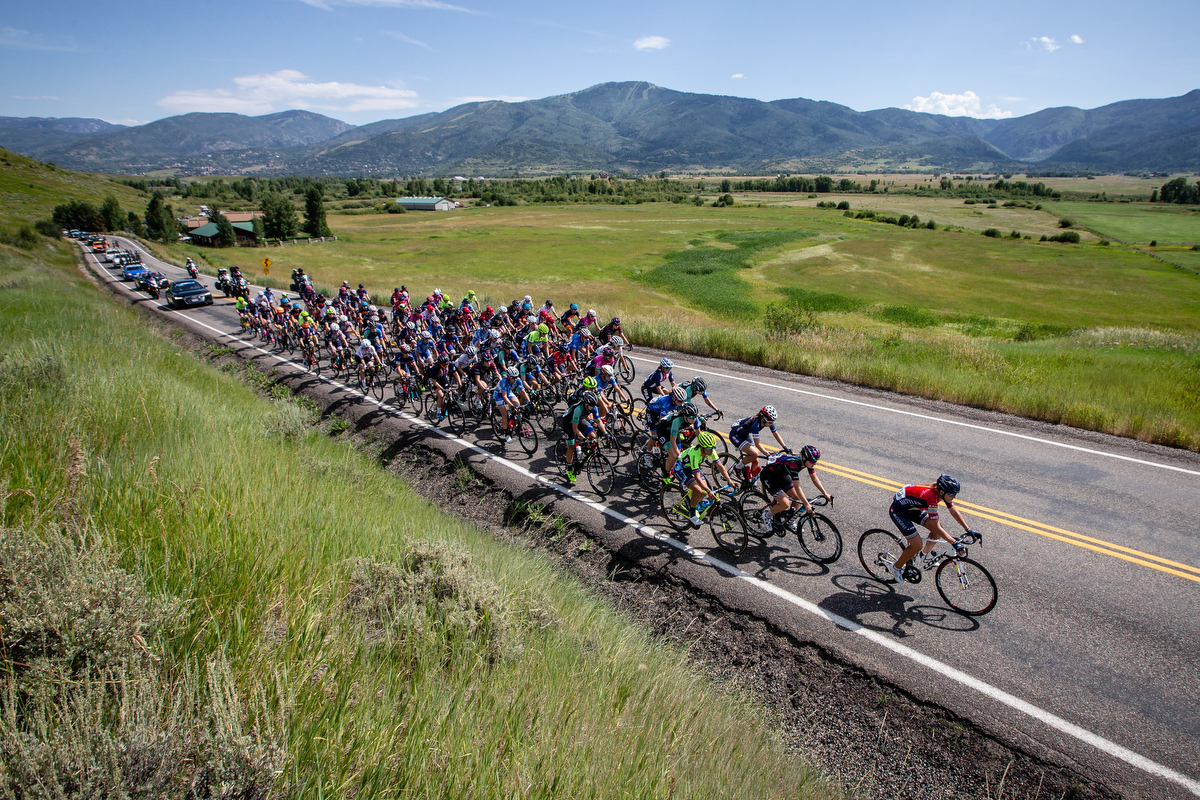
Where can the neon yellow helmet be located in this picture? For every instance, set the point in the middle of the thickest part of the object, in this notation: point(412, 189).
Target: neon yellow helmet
point(706, 440)
point(589, 382)
point(543, 329)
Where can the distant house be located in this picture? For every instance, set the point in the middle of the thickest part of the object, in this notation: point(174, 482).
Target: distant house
point(426, 203)
point(233, 216)
point(206, 235)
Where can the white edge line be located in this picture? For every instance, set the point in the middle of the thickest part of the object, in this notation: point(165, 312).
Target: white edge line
point(932, 418)
point(1012, 701)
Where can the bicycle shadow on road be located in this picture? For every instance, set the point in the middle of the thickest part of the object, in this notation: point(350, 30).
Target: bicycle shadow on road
point(864, 600)
point(763, 557)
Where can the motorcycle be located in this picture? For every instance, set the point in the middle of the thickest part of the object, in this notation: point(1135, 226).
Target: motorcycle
point(192, 271)
point(223, 282)
point(241, 288)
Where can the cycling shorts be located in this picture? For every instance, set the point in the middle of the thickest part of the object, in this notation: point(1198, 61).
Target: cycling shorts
point(905, 518)
point(683, 474)
point(570, 434)
point(501, 398)
point(776, 484)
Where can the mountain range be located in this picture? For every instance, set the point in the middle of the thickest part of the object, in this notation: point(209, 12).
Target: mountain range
point(632, 126)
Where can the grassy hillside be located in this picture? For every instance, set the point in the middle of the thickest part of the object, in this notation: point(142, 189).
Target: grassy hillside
point(29, 190)
point(197, 588)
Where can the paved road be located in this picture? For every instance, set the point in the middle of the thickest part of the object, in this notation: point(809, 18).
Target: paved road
point(1091, 655)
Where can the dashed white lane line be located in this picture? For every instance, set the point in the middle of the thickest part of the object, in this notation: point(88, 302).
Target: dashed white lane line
point(929, 417)
point(938, 667)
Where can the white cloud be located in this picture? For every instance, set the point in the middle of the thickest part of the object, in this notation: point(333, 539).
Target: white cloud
point(1047, 42)
point(288, 88)
point(652, 43)
point(435, 5)
point(966, 104)
point(737, 76)
point(24, 40)
point(1076, 38)
point(401, 37)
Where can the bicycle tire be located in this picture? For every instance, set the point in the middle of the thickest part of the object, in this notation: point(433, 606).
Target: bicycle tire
point(967, 587)
point(728, 529)
point(543, 417)
point(497, 423)
point(714, 475)
point(877, 552)
point(526, 435)
point(559, 456)
point(378, 382)
point(455, 421)
point(399, 394)
point(648, 466)
point(751, 507)
point(637, 413)
point(820, 538)
point(626, 371)
point(600, 474)
point(673, 503)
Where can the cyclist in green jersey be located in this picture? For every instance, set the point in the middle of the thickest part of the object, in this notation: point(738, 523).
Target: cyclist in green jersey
point(689, 471)
point(575, 426)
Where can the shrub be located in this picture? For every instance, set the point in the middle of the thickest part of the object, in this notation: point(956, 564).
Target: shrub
point(844, 205)
point(1104, 243)
point(992, 232)
point(1196, 247)
point(396, 208)
point(1069, 237)
point(1044, 238)
point(904, 218)
point(1015, 235)
point(914, 221)
point(1065, 223)
point(1154, 242)
point(46, 227)
point(931, 225)
point(968, 202)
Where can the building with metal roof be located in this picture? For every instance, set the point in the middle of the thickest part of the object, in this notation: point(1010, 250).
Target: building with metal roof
point(206, 235)
point(426, 203)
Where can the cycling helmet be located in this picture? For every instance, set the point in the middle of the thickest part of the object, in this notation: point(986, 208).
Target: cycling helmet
point(336, 327)
point(443, 359)
point(472, 350)
point(618, 341)
point(494, 335)
point(437, 292)
point(769, 412)
point(549, 304)
point(574, 306)
point(699, 384)
point(410, 326)
point(563, 347)
point(689, 410)
point(426, 335)
point(295, 305)
point(706, 440)
point(513, 372)
point(592, 312)
point(361, 286)
point(589, 382)
point(666, 363)
point(345, 283)
point(588, 398)
point(543, 329)
point(606, 369)
point(528, 299)
point(405, 349)
point(278, 309)
point(947, 484)
point(810, 453)
point(283, 298)
point(615, 321)
point(679, 394)
point(343, 318)
point(491, 310)
point(585, 333)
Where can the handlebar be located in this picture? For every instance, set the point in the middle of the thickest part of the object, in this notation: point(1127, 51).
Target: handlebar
point(819, 500)
point(971, 537)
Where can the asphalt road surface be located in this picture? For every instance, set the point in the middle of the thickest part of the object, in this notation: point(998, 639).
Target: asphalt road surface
point(1092, 654)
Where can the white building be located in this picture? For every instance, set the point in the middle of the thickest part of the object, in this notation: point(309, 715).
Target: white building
point(426, 203)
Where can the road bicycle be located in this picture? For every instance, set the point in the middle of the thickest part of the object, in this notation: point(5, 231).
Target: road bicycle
point(724, 521)
point(407, 391)
point(589, 461)
point(520, 427)
point(312, 360)
point(454, 416)
point(819, 537)
point(964, 584)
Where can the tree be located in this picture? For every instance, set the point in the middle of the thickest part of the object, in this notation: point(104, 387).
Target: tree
point(1178, 191)
point(824, 183)
point(134, 223)
point(279, 217)
point(78, 215)
point(314, 212)
point(259, 231)
point(160, 219)
point(110, 213)
point(226, 236)
point(726, 186)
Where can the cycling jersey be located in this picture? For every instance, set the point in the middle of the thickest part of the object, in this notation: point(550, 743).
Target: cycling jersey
point(463, 362)
point(577, 414)
point(534, 341)
point(687, 387)
point(506, 387)
point(439, 373)
point(747, 429)
point(668, 428)
point(659, 407)
point(655, 379)
point(918, 503)
point(365, 351)
point(776, 477)
point(688, 465)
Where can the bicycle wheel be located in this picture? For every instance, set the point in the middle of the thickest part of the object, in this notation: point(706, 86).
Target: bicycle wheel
point(378, 382)
point(399, 394)
point(543, 417)
point(752, 507)
point(877, 552)
point(728, 529)
point(820, 538)
point(526, 435)
point(498, 425)
point(625, 371)
point(637, 412)
point(675, 507)
point(455, 420)
point(559, 456)
point(622, 429)
point(600, 474)
point(966, 586)
point(715, 477)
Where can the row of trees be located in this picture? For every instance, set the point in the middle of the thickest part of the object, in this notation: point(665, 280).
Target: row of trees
point(1178, 191)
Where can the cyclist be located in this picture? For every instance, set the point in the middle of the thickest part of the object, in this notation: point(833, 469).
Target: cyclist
point(698, 386)
point(664, 405)
point(610, 330)
point(744, 436)
point(575, 426)
point(505, 397)
point(367, 359)
point(668, 432)
point(689, 471)
point(778, 483)
point(547, 314)
point(569, 317)
point(659, 382)
point(438, 376)
point(537, 342)
point(918, 505)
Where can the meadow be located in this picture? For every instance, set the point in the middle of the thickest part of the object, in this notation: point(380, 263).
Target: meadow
point(1100, 337)
point(208, 591)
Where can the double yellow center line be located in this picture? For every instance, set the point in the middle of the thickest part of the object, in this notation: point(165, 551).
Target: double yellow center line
point(1049, 531)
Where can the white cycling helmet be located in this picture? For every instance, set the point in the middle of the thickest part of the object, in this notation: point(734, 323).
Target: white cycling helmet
point(494, 334)
point(528, 299)
point(618, 341)
point(591, 312)
point(513, 372)
point(606, 369)
point(679, 394)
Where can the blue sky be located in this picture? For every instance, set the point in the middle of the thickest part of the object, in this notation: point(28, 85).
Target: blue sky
point(364, 60)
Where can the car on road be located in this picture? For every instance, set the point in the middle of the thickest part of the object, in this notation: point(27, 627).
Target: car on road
point(130, 271)
point(182, 294)
point(144, 281)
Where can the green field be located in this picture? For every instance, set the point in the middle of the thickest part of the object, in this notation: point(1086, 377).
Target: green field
point(1139, 222)
point(1101, 337)
point(198, 588)
point(29, 190)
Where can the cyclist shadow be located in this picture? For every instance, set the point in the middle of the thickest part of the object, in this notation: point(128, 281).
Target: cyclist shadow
point(765, 556)
point(863, 599)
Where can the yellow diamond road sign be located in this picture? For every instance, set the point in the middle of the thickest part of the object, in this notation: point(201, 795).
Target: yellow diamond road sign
point(266, 262)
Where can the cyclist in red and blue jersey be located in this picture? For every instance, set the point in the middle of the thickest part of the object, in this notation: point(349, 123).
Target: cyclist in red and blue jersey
point(918, 505)
point(744, 436)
